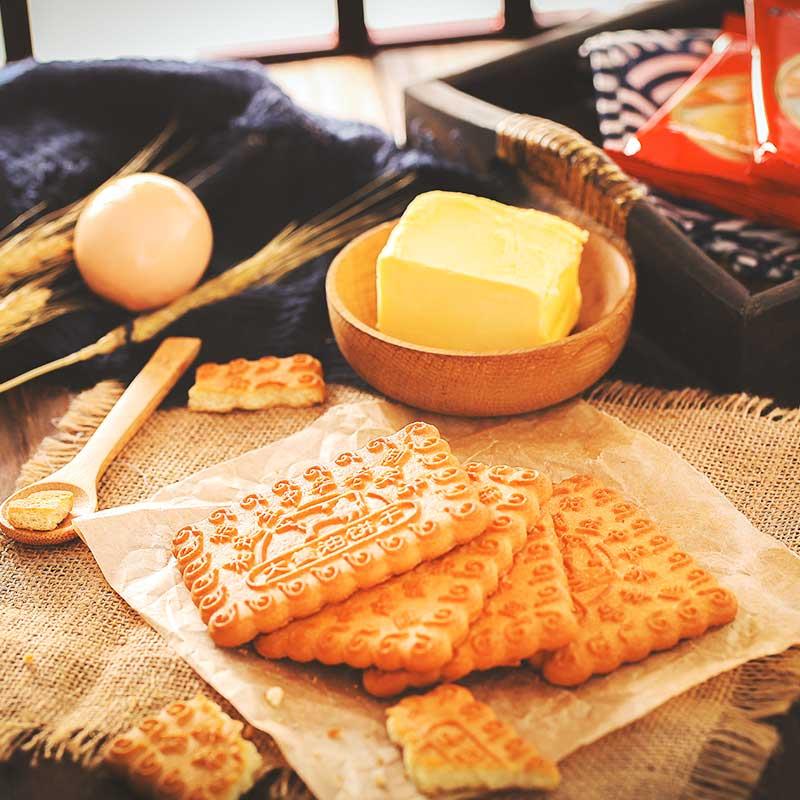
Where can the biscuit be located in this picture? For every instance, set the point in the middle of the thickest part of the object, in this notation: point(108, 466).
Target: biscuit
point(531, 611)
point(40, 511)
point(413, 621)
point(190, 750)
point(295, 381)
point(634, 589)
point(451, 741)
point(286, 552)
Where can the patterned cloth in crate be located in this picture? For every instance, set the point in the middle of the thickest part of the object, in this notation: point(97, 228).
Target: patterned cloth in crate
point(636, 72)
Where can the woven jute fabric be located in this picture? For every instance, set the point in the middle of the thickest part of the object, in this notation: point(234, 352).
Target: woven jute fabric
point(79, 665)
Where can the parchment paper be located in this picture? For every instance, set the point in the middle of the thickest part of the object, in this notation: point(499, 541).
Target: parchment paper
point(332, 732)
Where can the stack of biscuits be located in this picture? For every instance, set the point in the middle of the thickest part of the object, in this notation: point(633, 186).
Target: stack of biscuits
point(398, 560)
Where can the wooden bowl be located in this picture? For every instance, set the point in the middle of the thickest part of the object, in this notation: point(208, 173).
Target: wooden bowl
point(481, 384)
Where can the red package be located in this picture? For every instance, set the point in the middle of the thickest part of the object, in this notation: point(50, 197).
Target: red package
point(773, 28)
point(700, 143)
point(734, 23)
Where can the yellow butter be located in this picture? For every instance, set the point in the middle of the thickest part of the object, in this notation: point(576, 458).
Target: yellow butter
point(465, 273)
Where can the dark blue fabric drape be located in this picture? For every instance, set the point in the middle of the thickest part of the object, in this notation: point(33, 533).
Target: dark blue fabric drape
point(65, 127)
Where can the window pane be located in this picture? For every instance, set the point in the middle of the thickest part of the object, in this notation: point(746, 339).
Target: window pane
point(383, 14)
point(75, 29)
point(584, 5)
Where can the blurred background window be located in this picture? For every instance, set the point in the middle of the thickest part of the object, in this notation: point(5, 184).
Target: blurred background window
point(389, 20)
point(270, 30)
point(75, 29)
point(610, 6)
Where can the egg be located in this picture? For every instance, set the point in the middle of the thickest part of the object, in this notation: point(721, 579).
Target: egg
point(142, 241)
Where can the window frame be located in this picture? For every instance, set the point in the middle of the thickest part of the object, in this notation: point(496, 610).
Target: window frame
point(352, 36)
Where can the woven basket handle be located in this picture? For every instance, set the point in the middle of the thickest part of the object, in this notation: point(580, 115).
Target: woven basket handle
point(571, 165)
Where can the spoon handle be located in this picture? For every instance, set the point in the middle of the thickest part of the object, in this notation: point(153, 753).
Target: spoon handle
point(138, 401)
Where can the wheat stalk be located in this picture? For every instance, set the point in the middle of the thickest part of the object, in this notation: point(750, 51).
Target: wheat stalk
point(45, 246)
point(33, 304)
point(293, 246)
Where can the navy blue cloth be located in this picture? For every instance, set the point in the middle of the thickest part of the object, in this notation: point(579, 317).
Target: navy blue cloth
point(66, 127)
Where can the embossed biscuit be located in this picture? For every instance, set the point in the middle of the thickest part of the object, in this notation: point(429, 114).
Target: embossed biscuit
point(451, 741)
point(531, 611)
point(288, 551)
point(190, 750)
point(414, 620)
point(294, 381)
point(634, 589)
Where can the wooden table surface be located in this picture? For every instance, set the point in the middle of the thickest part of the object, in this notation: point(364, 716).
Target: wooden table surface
point(350, 87)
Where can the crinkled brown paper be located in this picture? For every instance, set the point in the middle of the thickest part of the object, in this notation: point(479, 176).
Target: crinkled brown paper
point(328, 728)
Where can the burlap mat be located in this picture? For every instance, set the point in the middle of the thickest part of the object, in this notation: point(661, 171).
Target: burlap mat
point(78, 665)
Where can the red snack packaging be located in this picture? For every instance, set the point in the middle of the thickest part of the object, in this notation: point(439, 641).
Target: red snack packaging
point(773, 29)
point(700, 143)
point(734, 23)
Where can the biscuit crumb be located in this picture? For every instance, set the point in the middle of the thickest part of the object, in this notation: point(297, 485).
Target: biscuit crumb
point(27, 659)
point(334, 733)
point(380, 778)
point(387, 755)
point(40, 511)
point(274, 696)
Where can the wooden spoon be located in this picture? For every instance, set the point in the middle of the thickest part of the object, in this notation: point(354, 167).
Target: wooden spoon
point(81, 475)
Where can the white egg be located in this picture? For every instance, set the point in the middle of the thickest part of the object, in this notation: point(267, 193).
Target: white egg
point(143, 241)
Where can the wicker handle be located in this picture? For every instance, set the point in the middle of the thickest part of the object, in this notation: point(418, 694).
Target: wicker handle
point(570, 164)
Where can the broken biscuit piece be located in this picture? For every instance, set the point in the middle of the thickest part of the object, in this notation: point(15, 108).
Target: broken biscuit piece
point(188, 749)
point(40, 511)
point(451, 741)
point(294, 381)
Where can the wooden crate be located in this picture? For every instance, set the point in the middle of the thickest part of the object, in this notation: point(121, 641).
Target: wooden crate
point(710, 326)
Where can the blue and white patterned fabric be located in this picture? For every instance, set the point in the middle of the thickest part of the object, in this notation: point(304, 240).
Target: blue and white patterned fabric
point(634, 73)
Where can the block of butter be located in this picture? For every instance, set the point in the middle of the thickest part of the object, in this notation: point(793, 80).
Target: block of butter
point(465, 273)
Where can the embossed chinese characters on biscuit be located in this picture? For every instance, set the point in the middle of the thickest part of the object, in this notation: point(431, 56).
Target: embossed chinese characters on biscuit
point(451, 741)
point(188, 751)
point(530, 612)
point(414, 620)
point(316, 538)
point(634, 589)
point(295, 381)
